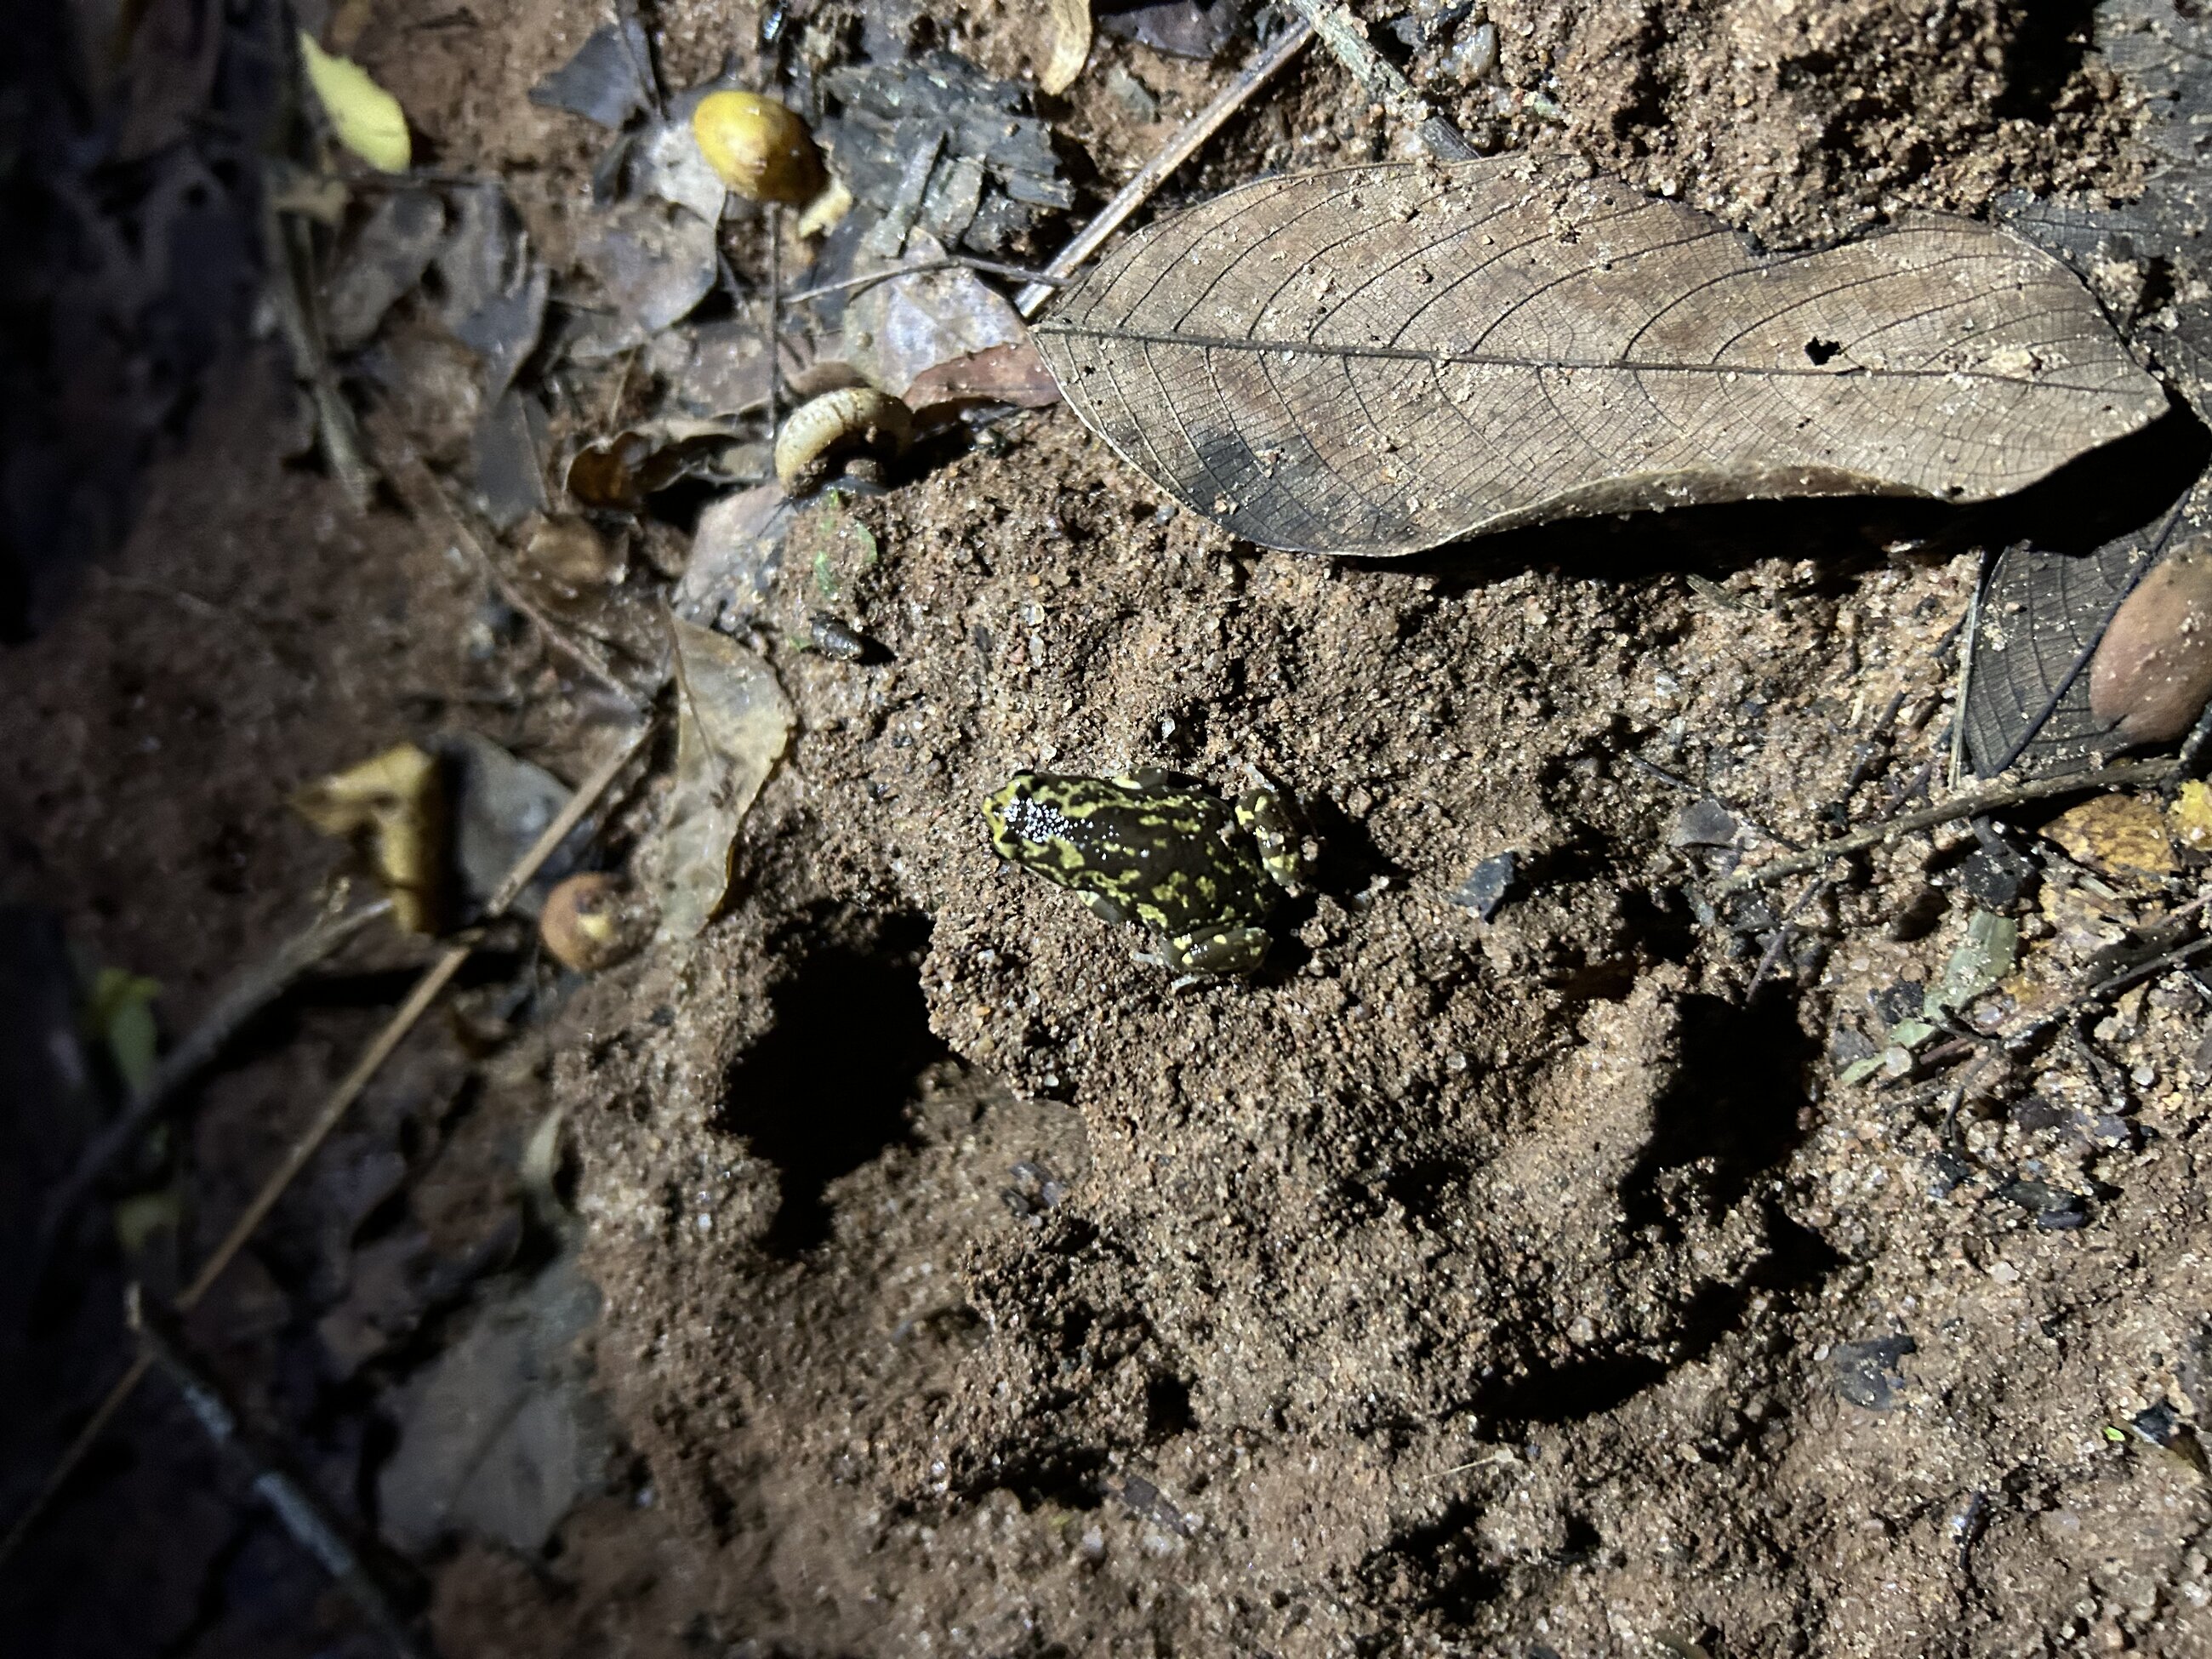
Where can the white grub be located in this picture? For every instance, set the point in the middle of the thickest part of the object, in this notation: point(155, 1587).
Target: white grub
point(833, 424)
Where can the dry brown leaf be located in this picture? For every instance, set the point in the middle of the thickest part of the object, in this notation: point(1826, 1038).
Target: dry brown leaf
point(1380, 359)
point(1071, 44)
point(394, 806)
point(731, 731)
point(2118, 835)
point(1003, 374)
point(616, 473)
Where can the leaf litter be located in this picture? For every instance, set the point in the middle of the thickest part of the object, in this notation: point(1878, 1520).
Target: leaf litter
point(736, 550)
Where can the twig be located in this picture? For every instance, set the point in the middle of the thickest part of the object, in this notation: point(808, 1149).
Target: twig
point(1346, 36)
point(770, 319)
point(334, 1107)
point(1782, 932)
point(1971, 622)
point(2193, 747)
point(1869, 748)
point(2105, 988)
point(247, 996)
point(1180, 149)
point(428, 499)
point(335, 427)
point(923, 268)
point(297, 1507)
point(1969, 805)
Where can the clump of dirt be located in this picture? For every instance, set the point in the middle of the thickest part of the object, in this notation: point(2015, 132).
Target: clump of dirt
point(1803, 123)
point(1528, 1282)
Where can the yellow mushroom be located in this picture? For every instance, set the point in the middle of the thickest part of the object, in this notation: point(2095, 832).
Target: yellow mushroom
point(592, 921)
point(758, 147)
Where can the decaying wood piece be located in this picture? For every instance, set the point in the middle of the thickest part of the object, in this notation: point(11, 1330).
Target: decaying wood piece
point(1377, 360)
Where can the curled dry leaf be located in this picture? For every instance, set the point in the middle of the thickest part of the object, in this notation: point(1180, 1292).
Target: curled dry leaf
point(1382, 359)
point(2152, 670)
point(364, 118)
point(616, 473)
point(2115, 835)
point(1071, 44)
point(1012, 374)
point(731, 727)
point(393, 806)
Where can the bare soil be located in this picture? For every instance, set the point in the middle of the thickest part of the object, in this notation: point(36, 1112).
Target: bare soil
point(1452, 1286)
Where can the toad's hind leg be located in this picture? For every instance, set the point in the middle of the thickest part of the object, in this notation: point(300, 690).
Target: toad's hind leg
point(1226, 951)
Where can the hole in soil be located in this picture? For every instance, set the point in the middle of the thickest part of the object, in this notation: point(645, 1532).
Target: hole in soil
point(1734, 1108)
point(827, 1088)
point(1053, 1472)
point(1167, 1408)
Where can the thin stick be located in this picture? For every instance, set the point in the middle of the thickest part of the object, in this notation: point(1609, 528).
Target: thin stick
point(298, 1508)
point(1783, 929)
point(1959, 806)
point(951, 262)
point(1346, 37)
point(348, 1088)
point(1180, 149)
point(1973, 623)
point(336, 430)
point(770, 324)
point(245, 997)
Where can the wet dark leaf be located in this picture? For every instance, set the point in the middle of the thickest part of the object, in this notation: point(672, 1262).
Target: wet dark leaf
point(502, 804)
point(607, 80)
point(1866, 1372)
point(934, 141)
point(495, 287)
point(381, 262)
point(2041, 614)
point(1185, 28)
point(510, 461)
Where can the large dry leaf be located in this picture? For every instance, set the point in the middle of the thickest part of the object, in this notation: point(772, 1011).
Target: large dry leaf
point(1380, 359)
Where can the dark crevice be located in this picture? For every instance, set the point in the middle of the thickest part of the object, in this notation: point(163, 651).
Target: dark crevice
point(1056, 1473)
point(2053, 38)
point(1797, 1259)
point(827, 1090)
point(1167, 1408)
point(1732, 1109)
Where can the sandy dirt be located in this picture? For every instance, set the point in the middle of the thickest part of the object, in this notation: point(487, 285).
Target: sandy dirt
point(1529, 1285)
